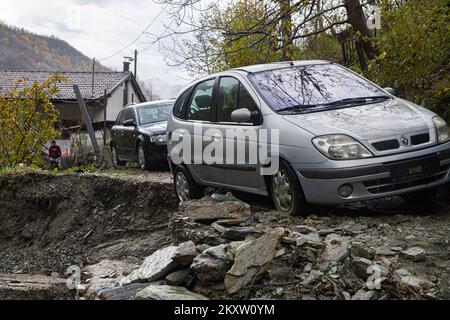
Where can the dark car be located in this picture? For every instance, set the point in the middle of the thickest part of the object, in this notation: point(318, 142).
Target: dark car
point(139, 135)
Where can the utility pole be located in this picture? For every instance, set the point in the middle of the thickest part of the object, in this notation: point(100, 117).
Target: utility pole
point(135, 63)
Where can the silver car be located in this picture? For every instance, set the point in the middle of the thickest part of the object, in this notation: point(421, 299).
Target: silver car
point(341, 137)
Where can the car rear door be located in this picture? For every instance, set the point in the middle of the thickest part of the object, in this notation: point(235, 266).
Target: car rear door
point(117, 133)
point(129, 136)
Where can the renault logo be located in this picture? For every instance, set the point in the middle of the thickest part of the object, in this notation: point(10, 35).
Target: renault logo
point(404, 140)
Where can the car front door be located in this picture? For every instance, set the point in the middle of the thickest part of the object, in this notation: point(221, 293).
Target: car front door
point(240, 156)
point(117, 134)
point(129, 135)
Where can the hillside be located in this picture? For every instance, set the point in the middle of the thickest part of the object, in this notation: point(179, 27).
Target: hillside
point(23, 50)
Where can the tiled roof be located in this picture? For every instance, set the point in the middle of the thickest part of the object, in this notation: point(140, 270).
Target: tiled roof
point(102, 81)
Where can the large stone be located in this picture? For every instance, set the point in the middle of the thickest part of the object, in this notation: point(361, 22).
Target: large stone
point(178, 278)
point(364, 268)
point(163, 262)
point(121, 293)
point(337, 249)
point(414, 254)
point(206, 211)
point(252, 255)
point(168, 293)
point(235, 233)
point(34, 287)
point(212, 264)
point(104, 275)
point(363, 295)
point(405, 278)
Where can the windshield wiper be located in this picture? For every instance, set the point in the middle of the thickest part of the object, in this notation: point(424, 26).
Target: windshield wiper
point(356, 100)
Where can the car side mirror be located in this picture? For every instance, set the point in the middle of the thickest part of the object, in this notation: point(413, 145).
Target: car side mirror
point(390, 90)
point(244, 115)
point(129, 123)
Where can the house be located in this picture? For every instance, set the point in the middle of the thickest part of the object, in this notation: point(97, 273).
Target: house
point(121, 89)
point(105, 95)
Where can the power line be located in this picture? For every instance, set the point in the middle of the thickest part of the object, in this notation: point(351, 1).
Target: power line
point(135, 40)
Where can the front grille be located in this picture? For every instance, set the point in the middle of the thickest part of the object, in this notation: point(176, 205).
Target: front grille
point(420, 139)
point(386, 145)
point(389, 184)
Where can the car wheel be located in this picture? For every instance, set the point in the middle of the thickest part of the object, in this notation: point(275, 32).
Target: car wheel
point(142, 158)
point(115, 158)
point(185, 187)
point(286, 191)
point(422, 198)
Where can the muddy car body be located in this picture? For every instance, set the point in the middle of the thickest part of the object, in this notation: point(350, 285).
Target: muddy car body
point(341, 137)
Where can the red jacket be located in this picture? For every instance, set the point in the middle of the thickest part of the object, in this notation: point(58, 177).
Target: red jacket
point(54, 152)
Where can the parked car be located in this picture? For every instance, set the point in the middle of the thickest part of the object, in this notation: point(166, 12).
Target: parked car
point(139, 135)
point(341, 137)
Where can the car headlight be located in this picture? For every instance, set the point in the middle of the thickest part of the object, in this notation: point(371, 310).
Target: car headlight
point(159, 138)
point(341, 147)
point(442, 129)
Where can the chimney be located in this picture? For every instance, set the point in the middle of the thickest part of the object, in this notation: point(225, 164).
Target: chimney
point(126, 66)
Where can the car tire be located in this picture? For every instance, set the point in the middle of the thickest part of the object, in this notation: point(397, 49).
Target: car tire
point(185, 187)
point(115, 158)
point(286, 191)
point(142, 157)
point(420, 199)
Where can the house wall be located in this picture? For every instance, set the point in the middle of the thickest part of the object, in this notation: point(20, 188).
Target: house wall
point(115, 103)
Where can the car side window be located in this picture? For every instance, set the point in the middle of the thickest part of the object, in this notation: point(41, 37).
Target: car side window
point(178, 107)
point(201, 101)
point(120, 117)
point(129, 115)
point(233, 96)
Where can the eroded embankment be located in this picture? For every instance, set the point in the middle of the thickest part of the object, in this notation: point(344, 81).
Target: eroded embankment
point(49, 222)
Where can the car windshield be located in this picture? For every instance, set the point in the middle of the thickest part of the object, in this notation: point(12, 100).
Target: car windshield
point(313, 87)
point(154, 113)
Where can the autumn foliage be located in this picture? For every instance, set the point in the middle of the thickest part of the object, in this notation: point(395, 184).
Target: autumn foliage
point(27, 121)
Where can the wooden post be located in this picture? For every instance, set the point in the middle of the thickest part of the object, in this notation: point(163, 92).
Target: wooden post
point(87, 121)
point(105, 102)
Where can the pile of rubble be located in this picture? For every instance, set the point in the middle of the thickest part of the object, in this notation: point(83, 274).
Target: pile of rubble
point(225, 250)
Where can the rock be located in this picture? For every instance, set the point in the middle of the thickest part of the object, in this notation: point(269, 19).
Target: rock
point(178, 278)
point(202, 247)
point(384, 252)
point(359, 250)
point(405, 278)
point(363, 295)
point(304, 229)
point(212, 264)
point(121, 293)
point(235, 233)
point(396, 249)
point(250, 256)
point(34, 287)
point(162, 262)
point(352, 228)
point(279, 272)
point(326, 231)
point(185, 253)
point(168, 293)
point(104, 275)
point(364, 268)
point(206, 211)
point(301, 240)
point(414, 254)
point(279, 291)
point(337, 248)
point(312, 278)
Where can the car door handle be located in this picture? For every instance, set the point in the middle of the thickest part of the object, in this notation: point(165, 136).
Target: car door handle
point(217, 137)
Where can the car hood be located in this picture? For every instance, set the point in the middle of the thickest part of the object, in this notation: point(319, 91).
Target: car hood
point(366, 122)
point(154, 128)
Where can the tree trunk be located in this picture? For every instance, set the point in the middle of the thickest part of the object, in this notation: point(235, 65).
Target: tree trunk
point(358, 20)
point(287, 53)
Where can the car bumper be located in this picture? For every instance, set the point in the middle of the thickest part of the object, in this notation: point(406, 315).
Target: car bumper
point(376, 178)
point(157, 151)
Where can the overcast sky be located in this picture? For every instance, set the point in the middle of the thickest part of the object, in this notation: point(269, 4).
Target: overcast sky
point(98, 28)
